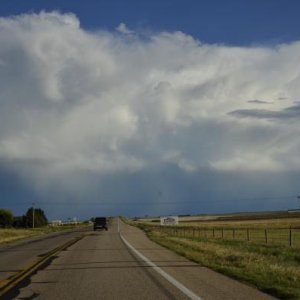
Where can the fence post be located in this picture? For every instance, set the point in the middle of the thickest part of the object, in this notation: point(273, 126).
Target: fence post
point(248, 235)
point(266, 236)
point(290, 236)
point(233, 233)
point(222, 233)
point(193, 233)
point(213, 232)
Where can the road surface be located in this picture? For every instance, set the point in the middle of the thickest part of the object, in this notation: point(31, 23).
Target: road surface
point(101, 266)
point(18, 255)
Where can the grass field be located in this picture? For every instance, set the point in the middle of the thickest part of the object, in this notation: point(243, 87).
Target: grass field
point(12, 234)
point(277, 228)
point(273, 267)
point(261, 219)
point(285, 236)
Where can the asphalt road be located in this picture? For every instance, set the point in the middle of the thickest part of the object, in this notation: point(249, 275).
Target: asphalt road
point(101, 266)
point(18, 255)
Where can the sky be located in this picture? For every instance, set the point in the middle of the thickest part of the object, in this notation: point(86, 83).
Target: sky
point(149, 107)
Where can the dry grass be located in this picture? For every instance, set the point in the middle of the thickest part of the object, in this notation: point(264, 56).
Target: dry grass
point(9, 235)
point(274, 223)
point(270, 220)
point(275, 236)
point(12, 234)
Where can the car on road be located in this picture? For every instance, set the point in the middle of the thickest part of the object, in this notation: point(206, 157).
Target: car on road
point(100, 223)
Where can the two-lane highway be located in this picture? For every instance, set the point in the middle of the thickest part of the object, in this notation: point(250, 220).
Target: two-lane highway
point(99, 266)
point(103, 265)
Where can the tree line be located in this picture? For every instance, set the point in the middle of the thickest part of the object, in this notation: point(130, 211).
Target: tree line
point(34, 217)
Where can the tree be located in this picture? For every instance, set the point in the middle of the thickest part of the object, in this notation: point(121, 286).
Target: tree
point(40, 218)
point(6, 218)
point(19, 222)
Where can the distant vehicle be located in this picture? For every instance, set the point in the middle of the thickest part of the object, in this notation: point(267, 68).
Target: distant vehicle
point(100, 223)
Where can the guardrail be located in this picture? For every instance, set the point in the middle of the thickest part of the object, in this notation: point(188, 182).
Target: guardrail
point(274, 236)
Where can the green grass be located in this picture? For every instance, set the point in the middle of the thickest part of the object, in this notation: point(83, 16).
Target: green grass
point(274, 269)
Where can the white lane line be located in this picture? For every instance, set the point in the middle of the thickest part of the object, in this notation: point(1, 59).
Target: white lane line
point(171, 279)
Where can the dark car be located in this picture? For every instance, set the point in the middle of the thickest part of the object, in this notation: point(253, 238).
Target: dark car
point(100, 223)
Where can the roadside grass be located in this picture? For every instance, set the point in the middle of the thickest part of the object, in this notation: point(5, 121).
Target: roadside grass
point(283, 232)
point(261, 235)
point(274, 223)
point(211, 223)
point(273, 269)
point(8, 235)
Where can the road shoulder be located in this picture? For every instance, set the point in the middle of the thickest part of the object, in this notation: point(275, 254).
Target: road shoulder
point(205, 282)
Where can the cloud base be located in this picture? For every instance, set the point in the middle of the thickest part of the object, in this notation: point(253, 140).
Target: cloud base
point(78, 104)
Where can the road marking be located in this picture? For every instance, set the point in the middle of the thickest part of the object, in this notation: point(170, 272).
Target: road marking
point(168, 277)
point(7, 285)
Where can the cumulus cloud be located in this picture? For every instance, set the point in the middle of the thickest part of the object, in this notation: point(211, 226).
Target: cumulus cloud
point(122, 28)
point(104, 102)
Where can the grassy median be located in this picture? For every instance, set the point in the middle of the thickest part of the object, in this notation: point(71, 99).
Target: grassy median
point(272, 269)
point(11, 234)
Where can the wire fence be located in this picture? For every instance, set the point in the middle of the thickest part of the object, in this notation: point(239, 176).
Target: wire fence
point(273, 236)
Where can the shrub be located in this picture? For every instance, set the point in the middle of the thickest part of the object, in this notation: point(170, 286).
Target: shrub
point(6, 218)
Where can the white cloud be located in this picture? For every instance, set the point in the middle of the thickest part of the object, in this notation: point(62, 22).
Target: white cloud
point(75, 100)
point(122, 28)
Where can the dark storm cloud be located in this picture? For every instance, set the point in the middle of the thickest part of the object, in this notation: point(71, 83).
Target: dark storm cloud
point(292, 112)
point(259, 102)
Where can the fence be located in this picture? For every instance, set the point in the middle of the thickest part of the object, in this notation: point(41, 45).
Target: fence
point(275, 236)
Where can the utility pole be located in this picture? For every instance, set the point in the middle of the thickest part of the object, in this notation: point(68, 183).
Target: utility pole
point(32, 215)
point(299, 201)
